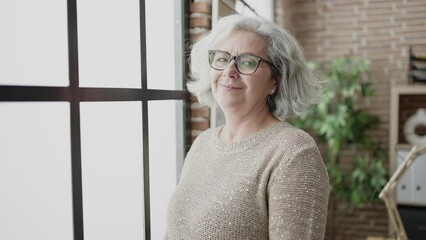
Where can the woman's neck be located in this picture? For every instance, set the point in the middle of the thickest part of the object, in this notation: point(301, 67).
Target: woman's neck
point(238, 128)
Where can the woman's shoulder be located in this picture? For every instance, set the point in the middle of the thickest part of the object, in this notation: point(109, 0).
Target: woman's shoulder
point(292, 145)
point(205, 136)
point(290, 135)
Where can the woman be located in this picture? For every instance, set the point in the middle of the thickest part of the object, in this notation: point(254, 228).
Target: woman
point(255, 177)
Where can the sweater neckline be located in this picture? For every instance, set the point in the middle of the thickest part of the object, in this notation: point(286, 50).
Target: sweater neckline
point(246, 143)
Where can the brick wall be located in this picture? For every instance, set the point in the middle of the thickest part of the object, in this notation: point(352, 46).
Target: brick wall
point(380, 31)
point(343, 224)
point(199, 23)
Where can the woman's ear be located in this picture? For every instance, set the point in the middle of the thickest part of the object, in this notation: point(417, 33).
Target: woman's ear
point(274, 86)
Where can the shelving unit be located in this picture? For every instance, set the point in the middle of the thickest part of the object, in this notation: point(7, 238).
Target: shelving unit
point(405, 100)
point(412, 186)
point(410, 196)
point(417, 65)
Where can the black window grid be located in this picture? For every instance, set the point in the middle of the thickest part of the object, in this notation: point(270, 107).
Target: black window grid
point(75, 94)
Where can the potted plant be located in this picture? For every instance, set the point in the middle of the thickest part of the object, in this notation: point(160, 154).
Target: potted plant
point(340, 124)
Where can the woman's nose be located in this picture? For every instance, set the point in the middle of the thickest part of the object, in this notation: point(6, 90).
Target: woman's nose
point(231, 70)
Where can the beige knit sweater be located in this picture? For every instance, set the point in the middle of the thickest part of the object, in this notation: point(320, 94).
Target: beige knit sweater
point(272, 185)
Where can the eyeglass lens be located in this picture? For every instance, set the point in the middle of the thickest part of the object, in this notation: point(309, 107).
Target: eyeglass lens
point(246, 63)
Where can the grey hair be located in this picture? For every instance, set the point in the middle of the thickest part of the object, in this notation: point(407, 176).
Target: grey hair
point(298, 87)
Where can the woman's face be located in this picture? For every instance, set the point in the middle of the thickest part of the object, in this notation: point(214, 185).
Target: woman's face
point(234, 91)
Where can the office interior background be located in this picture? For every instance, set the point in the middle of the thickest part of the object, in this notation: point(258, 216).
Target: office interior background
point(95, 119)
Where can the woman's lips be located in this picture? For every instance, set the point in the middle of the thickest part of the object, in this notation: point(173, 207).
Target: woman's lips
point(229, 87)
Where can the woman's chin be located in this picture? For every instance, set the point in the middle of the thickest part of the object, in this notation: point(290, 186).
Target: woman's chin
point(229, 104)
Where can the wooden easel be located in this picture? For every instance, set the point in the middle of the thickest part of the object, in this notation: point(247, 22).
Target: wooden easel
point(388, 192)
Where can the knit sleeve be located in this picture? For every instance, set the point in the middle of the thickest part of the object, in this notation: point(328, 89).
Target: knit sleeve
point(298, 194)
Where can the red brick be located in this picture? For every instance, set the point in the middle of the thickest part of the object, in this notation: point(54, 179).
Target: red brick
point(200, 112)
point(200, 125)
point(203, 22)
point(200, 7)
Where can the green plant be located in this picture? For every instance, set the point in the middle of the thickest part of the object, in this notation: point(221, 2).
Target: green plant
point(341, 124)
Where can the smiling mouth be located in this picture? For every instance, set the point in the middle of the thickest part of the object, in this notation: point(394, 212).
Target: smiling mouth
point(229, 87)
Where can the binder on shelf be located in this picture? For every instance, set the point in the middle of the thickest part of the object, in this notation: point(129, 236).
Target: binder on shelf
point(411, 187)
point(403, 194)
point(417, 67)
point(418, 187)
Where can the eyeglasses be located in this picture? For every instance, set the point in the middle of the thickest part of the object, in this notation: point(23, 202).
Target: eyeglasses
point(245, 63)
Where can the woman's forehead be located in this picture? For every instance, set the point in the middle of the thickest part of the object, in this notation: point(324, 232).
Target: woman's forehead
point(241, 41)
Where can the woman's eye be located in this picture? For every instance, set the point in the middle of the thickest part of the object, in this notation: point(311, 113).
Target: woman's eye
point(222, 60)
point(249, 63)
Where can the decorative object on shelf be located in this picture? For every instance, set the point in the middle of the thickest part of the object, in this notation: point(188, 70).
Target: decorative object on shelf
point(414, 121)
point(406, 100)
point(388, 192)
point(417, 72)
point(341, 124)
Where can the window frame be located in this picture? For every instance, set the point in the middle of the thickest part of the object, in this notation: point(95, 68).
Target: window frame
point(75, 94)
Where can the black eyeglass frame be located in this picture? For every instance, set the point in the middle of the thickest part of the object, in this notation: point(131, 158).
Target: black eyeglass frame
point(235, 58)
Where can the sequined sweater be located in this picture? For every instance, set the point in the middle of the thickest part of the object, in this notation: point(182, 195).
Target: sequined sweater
point(272, 185)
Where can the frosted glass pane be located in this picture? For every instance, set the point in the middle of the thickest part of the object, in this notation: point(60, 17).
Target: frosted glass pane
point(33, 42)
point(35, 172)
point(109, 43)
point(163, 45)
point(165, 160)
point(111, 137)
